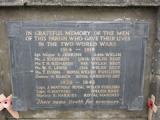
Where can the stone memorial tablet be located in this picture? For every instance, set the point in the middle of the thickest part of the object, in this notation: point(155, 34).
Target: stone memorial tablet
point(77, 64)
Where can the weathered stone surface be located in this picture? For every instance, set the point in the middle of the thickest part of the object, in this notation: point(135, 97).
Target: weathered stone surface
point(85, 14)
point(80, 2)
point(156, 116)
point(83, 115)
point(155, 84)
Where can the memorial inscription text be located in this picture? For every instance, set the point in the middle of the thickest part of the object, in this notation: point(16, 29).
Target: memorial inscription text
point(82, 65)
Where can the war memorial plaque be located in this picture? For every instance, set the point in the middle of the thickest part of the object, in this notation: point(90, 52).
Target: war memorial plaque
point(77, 64)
